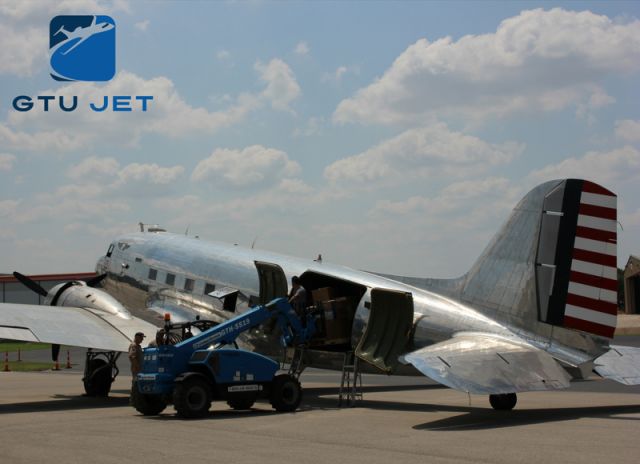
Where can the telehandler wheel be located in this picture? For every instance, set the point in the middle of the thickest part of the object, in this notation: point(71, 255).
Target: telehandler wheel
point(241, 403)
point(192, 397)
point(98, 379)
point(503, 402)
point(148, 405)
point(286, 393)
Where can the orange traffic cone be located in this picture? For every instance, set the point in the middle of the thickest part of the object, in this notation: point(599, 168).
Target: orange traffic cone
point(68, 366)
point(56, 366)
point(6, 362)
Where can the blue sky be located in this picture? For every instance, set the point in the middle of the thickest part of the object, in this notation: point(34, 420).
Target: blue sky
point(391, 136)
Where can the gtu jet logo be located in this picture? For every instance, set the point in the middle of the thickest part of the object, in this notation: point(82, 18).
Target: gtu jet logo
point(82, 48)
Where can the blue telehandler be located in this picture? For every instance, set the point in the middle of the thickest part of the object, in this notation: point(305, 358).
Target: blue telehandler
point(207, 366)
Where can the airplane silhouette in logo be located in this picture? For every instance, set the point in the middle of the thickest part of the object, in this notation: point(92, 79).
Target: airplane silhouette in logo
point(83, 33)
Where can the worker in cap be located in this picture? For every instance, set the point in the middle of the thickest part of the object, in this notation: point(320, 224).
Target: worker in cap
point(135, 357)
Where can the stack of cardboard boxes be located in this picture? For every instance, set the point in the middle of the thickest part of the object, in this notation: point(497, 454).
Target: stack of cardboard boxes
point(335, 316)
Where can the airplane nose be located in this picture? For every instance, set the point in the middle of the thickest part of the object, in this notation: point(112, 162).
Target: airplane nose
point(101, 265)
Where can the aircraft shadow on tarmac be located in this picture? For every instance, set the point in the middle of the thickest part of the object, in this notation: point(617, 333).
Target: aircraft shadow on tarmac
point(484, 419)
point(325, 398)
point(64, 403)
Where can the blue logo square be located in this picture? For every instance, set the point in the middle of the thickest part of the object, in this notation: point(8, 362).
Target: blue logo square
point(82, 48)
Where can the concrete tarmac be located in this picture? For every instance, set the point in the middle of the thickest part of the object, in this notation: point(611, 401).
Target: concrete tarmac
point(44, 418)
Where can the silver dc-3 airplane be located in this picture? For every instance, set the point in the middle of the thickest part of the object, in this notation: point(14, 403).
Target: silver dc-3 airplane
point(537, 309)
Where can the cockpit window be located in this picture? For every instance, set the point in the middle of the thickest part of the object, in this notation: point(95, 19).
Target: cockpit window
point(208, 288)
point(109, 251)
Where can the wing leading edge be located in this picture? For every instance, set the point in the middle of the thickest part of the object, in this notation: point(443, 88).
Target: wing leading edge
point(65, 325)
point(488, 364)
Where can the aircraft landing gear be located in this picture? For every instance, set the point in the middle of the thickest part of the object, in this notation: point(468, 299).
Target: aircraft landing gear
point(100, 370)
point(503, 402)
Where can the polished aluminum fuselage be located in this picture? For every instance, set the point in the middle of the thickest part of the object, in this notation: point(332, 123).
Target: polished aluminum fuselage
point(436, 317)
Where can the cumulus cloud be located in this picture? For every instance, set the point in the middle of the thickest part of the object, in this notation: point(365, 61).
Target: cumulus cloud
point(313, 126)
point(100, 187)
point(95, 176)
point(8, 207)
point(23, 49)
point(302, 48)
point(142, 25)
point(422, 152)
point(94, 167)
point(168, 113)
point(606, 168)
point(240, 168)
point(337, 75)
point(6, 161)
point(540, 60)
point(451, 198)
point(628, 129)
point(282, 87)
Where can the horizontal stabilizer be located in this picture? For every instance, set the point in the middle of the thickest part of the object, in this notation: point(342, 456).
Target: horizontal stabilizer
point(487, 364)
point(620, 363)
point(65, 325)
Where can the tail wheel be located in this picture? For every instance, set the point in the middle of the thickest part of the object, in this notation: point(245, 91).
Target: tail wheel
point(149, 405)
point(98, 379)
point(192, 397)
point(503, 402)
point(286, 393)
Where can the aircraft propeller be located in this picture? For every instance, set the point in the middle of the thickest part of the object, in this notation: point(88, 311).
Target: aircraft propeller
point(30, 284)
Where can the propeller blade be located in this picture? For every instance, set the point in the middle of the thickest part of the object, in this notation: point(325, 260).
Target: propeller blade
point(30, 284)
point(94, 281)
point(55, 352)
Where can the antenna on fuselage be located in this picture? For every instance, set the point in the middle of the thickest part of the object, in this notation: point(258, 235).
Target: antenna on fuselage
point(186, 231)
point(254, 242)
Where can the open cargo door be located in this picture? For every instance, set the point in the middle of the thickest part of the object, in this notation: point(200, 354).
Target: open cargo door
point(273, 282)
point(388, 329)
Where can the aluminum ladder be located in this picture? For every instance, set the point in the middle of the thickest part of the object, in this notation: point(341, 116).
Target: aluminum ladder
point(351, 384)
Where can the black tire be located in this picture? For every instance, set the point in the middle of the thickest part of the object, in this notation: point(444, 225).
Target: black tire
point(286, 393)
point(503, 402)
point(148, 405)
point(192, 397)
point(241, 403)
point(98, 380)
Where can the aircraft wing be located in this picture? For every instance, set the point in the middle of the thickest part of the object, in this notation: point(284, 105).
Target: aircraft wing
point(620, 363)
point(482, 363)
point(65, 325)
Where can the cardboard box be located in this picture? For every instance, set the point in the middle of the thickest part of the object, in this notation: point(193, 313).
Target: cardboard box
point(336, 309)
point(322, 294)
point(342, 308)
point(337, 329)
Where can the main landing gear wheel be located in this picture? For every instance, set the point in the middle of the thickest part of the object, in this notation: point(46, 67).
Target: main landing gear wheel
point(286, 393)
point(503, 402)
point(97, 380)
point(148, 405)
point(192, 397)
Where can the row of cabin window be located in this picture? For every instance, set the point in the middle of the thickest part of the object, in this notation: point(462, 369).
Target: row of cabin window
point(170, 279)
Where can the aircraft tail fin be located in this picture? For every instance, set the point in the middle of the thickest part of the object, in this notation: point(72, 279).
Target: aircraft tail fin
point(553, 262)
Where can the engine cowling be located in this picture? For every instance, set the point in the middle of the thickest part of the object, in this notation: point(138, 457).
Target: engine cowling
point(77, 293)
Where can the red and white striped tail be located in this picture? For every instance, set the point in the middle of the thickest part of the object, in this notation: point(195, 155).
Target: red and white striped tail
point(591, 304)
